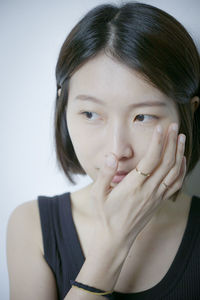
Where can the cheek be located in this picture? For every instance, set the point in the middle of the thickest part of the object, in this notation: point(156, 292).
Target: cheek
point(81, 135)
point(141, 142)
point(83, 143)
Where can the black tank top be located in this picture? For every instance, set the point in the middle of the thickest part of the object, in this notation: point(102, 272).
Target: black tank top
point(64, 255)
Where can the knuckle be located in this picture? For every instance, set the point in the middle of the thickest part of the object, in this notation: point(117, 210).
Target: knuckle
point(166, 163)
point(131, 193)
point(179, 184)
point(154, 161)
point(169, 162)
point(176, 172)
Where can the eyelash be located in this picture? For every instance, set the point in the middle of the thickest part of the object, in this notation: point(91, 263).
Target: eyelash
point(88, 112)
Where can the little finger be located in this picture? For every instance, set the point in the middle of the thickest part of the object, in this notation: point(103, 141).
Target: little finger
point(175, 171)
point(177, 185)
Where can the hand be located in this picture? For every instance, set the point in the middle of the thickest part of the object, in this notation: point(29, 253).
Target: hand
point(122, 212)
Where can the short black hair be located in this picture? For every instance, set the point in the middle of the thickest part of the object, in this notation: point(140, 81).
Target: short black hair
point(146, 39)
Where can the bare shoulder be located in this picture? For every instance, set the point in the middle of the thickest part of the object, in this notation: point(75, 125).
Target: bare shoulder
point(25, 210)
point(24, 222)
point(27, 267)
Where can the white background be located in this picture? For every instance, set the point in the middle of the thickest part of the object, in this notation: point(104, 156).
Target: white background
point(31, 34)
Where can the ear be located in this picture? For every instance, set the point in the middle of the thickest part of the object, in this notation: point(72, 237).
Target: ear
point(195, 103)
point(59, 92)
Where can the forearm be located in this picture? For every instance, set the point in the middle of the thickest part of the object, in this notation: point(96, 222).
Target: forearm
point(101, 270)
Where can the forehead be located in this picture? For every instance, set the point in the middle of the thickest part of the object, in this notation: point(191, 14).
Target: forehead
point(105, 78)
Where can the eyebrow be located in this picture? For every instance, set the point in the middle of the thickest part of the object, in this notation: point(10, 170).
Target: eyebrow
point(135, 105)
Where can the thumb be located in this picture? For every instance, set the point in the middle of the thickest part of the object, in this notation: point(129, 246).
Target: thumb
point(106, 174)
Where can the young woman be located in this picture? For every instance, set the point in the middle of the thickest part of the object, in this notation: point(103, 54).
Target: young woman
point(127, 114)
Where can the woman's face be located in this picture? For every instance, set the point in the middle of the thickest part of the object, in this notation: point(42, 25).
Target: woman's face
point(111, 109)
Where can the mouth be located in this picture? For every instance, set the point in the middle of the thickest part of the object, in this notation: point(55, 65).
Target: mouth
point(119, 176)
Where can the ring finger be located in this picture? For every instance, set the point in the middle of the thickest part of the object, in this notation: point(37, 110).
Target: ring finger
point(174, 174)
point(177, 184)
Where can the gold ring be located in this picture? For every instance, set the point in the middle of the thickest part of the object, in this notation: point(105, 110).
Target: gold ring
point(144, 174)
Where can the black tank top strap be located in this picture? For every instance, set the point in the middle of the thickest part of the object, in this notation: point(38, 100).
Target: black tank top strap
point(62, 250)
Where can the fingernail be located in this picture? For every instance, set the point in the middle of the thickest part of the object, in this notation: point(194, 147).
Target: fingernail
point(111, 161)
point(182, 139)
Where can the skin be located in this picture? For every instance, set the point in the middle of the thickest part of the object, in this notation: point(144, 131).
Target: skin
point(115, 129)
point(113, 126)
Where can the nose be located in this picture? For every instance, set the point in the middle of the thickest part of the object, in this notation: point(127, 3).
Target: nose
point(120, 142)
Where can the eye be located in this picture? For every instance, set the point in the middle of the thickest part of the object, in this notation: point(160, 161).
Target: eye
point(89, 114)
point(141, 117)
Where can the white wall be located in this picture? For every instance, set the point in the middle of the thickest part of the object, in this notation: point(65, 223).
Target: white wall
point(31, 34)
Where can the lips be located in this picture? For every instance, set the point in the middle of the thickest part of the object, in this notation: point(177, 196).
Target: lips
point(119, 176)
